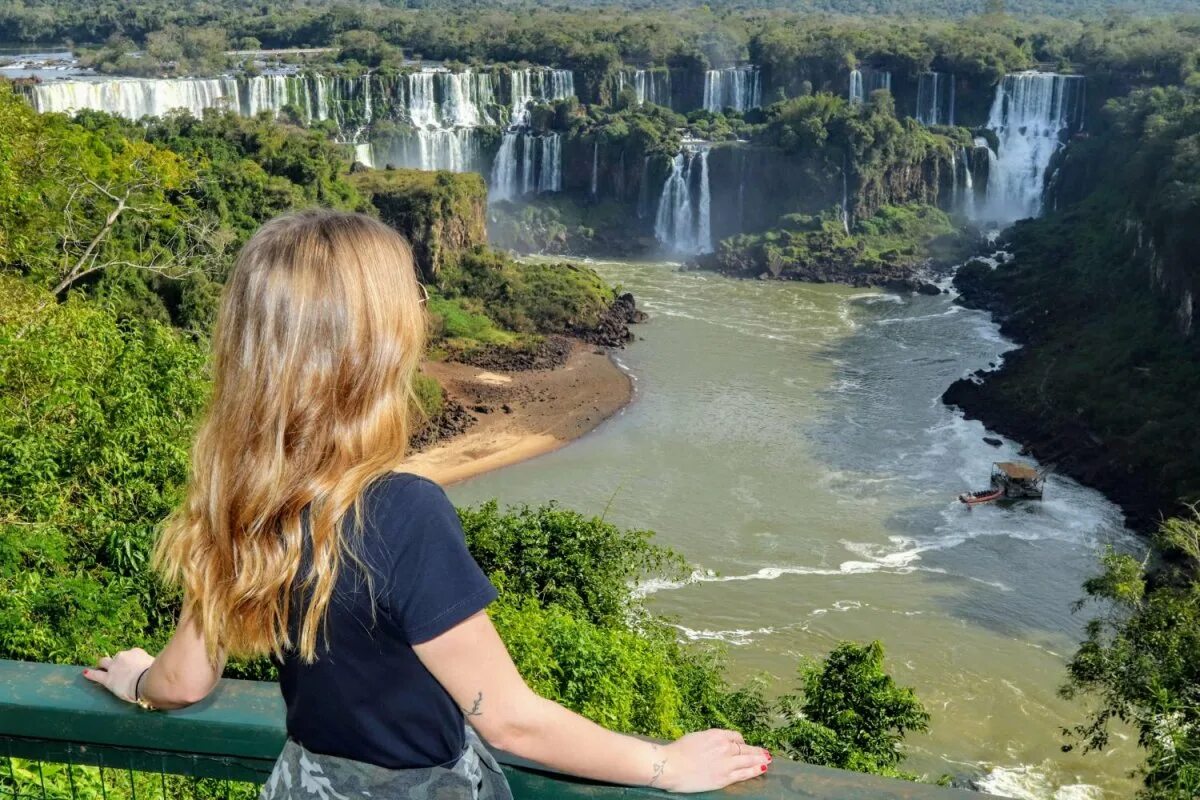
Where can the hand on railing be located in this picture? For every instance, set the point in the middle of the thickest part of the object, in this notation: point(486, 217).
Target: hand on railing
point(120, 673)
point(709, 760)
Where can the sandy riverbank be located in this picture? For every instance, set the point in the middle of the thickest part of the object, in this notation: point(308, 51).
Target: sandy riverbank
point(546, 409)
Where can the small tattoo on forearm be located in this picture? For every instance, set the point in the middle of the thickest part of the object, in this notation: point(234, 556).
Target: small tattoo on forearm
point(659, 766)
point(475, 711)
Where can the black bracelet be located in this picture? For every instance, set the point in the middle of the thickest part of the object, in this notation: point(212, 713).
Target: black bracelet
point(137, 686)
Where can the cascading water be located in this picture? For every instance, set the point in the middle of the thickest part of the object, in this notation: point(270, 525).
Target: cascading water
point(866, 80)
point(1031, 115)
point(595, 168)
point(643, 207)
point(738, 88)
point(534, 86)
point(684, 219)
point(526, 161)
point(935, 98)
point(649, 86)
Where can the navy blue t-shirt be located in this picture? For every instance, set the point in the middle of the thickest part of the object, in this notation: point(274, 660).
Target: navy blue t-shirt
point(367, 696)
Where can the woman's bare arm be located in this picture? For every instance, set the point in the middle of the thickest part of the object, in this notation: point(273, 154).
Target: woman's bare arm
point(473, 665)
point(179, 676)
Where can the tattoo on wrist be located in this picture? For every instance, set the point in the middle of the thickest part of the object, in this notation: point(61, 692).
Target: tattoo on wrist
point(658, 767)
point(475, 710)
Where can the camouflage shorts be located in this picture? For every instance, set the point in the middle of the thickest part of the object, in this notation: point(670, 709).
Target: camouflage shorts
point(302, 775)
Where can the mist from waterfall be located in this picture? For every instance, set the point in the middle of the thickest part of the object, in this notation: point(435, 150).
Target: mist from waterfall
point(739, 88)
point(683, 222)
point(1031, 115)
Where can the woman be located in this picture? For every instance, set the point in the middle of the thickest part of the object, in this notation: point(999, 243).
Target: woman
point(298, 540)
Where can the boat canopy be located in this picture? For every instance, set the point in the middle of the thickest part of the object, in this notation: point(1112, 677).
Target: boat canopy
point(1017, 472)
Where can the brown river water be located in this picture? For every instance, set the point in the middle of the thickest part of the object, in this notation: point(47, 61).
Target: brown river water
point(789, 440)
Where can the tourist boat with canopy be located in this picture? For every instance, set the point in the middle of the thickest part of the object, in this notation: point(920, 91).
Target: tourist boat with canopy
point(1010, 481)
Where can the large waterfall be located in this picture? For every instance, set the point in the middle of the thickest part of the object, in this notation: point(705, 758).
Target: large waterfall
point(533, 86)
point(935, 98)
point(439, 111)
point(738, 88)
point(866, 80)
point(1032, 114)
point(526, 162)
point(135, 98)
point(530, 162)
point(684, 219)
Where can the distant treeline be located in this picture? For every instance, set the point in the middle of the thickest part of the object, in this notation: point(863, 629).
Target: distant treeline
point(949, 36)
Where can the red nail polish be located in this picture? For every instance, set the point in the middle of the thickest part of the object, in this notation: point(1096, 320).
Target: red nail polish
point(764, 767)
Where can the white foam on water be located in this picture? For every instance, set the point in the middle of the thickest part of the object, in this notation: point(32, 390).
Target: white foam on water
point(736, 637)
point(895, 564)
point(1027, 782)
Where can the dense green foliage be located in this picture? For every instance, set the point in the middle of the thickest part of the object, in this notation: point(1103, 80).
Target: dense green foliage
point(440, 213)
point(1142, 659)
point(1100, 290)
point(95, 419)
point(881, 248)
point(529, 297)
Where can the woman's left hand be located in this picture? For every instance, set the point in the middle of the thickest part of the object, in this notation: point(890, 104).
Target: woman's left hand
point(119, 674)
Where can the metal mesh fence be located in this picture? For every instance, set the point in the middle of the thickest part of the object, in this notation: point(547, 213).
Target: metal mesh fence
point(76, 772)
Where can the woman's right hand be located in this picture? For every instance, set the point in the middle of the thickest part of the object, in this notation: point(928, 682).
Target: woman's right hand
point(709, 760)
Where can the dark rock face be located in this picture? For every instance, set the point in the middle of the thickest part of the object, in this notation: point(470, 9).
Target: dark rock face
point(1001, 399)
point(551, 353)
point(453, 420)
point(613, 328)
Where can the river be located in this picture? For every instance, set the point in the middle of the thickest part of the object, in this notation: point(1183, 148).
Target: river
point(789, 440)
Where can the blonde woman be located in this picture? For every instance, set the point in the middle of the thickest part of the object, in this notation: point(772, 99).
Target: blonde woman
point(299, 540)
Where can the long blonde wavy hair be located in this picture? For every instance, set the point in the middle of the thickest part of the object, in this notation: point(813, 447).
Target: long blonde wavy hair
point(319, 333)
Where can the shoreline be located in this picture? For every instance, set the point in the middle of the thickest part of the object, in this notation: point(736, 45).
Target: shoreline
point(521, 414)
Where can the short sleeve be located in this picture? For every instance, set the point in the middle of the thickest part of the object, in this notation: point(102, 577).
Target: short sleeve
point(434, 582)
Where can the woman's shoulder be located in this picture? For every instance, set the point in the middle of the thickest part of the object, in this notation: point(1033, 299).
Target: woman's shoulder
point(400, 496)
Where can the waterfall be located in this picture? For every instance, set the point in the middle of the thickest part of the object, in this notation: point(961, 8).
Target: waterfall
point(643, 207)
point(537, 85)
point(1031, 115)
point(649, 86)
point(935, 98)
point(550, 166)
point(683, 222)
point(504, 169)
point(738, 88)
point(595, 166)
point(134, 98)
point(530, 162)
point(865, 80)
point(968, 183)
point(845, 207)
point(525, 163)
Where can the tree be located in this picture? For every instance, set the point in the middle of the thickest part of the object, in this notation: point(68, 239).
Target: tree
point(1141, 660)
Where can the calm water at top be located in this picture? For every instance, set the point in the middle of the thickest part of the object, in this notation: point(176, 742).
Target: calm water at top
point(788, 439)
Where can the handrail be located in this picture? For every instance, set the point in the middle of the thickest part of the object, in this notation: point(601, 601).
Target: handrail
point(51, 712)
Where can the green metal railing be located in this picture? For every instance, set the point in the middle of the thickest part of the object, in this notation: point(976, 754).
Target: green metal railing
point(62, 737)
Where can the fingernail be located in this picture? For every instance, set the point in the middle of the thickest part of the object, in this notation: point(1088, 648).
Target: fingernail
point(764, 767)
point(85, 672)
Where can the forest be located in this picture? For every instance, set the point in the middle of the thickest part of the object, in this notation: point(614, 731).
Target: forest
point(114, 241)
point(116, 235)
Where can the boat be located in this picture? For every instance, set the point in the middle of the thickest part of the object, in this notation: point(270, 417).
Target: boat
point(983, 496)
point(1010, 481)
